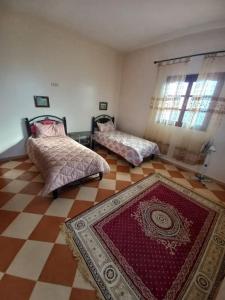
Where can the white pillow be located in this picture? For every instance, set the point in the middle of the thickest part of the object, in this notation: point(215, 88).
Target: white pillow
point(106, 127)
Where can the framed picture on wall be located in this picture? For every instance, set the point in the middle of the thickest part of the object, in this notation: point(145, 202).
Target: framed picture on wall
point(103, 105)
point(41, 101)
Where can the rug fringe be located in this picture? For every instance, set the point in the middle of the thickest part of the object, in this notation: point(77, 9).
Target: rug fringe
point(81, 264)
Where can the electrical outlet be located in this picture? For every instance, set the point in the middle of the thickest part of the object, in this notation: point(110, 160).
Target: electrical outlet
point(55, 84)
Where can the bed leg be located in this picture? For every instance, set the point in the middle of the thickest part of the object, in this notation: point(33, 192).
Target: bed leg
point(55, 194)
point(100, 175)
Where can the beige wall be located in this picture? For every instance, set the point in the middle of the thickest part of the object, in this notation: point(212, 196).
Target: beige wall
point(33, 54)
point(139, 75)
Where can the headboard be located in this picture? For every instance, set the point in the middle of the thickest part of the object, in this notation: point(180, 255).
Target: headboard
point(30, 122)
point(100, 119)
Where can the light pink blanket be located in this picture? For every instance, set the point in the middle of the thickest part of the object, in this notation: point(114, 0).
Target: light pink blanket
point(61, 160)
point(132, 148)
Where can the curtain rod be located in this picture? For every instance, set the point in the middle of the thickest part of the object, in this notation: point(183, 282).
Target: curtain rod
point(198, 54)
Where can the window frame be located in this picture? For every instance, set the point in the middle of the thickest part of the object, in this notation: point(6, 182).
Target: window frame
point(191, 79)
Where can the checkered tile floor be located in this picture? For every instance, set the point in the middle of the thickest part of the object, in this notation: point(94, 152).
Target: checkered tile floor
point(35, 263)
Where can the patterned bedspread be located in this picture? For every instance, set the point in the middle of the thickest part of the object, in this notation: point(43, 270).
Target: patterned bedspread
point(61, 160)
point(132, 148)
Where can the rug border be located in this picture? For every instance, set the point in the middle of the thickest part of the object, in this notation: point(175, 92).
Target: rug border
point(83, 268)
point(218, 281)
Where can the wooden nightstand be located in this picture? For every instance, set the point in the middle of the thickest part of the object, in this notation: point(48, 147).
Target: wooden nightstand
point(82, 137)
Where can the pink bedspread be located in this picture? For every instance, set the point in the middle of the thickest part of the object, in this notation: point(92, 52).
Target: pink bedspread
point(132, 148)
point(61, 160)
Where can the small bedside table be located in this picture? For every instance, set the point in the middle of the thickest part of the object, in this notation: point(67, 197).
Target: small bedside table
point(82, 137)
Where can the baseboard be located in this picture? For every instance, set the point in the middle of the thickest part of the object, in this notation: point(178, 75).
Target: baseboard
point(5, 159)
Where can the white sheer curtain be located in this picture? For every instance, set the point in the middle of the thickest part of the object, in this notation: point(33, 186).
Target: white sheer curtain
point(186, 108)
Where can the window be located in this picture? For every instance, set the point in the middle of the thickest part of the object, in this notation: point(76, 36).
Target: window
point(188, 102)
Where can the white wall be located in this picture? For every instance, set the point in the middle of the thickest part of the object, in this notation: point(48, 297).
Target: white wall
point(139, 75)
point(33, 54)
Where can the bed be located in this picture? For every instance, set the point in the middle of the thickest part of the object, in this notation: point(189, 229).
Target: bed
point(60, 159)
point(131, 148)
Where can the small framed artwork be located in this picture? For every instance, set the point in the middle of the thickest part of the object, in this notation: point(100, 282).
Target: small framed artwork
point(41, 101)
point(103, 105)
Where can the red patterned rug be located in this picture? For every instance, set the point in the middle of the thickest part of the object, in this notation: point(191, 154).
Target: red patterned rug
point(154, 240)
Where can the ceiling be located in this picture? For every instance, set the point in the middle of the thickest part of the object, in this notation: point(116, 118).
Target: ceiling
point(128, 24)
